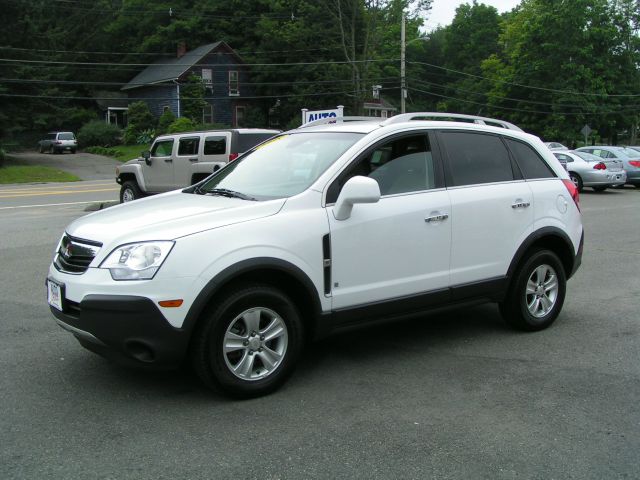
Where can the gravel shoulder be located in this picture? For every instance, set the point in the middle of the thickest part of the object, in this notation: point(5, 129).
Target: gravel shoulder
point(87, 166)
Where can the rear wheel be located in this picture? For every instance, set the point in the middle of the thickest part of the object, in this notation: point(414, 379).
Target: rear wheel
point(130, 192)
point(599, 189)
point(248, 344)
point(577, 181)
point(537, 292)
point(52, 150)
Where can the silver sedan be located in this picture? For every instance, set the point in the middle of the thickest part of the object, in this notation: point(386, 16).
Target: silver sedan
point(588, 170)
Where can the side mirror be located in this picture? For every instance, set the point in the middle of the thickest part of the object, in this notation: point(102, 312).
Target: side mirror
point(357, 190)
point(146, 155)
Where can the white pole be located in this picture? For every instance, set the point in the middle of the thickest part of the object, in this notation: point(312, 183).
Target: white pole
point(403, 84)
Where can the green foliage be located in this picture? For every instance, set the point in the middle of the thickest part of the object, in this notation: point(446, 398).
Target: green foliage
point(3, 157)
point(107, 152)
point(210, 126)
point(192, 93)
point(121, 152)
point(182, 124)
point(32, 174)
point(98, 133)
point(166, 119)
point(139, 120)
point(145, 137)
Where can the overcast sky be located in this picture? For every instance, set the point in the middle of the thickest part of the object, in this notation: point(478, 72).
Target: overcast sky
point(443, 11)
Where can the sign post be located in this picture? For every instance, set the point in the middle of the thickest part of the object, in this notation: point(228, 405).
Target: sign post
point(586, 131)
point(312, 116)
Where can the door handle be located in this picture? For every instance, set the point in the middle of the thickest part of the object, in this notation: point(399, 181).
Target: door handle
point(168, 160)
point(193, 159)
point(520, 204)
point(436, 218)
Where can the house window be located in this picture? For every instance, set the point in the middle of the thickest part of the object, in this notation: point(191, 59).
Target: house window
point(234, 87)
point(207, 78)
point(207, 114)
point(240, 116)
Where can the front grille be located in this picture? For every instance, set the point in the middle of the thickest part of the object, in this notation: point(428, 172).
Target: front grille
point(75, 254)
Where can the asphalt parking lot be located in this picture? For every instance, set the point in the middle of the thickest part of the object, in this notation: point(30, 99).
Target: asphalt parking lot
point(450, 395)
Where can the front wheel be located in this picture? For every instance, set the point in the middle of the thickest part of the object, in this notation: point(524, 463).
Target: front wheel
point(248, 344)
point(130, 192)
point(537, 292)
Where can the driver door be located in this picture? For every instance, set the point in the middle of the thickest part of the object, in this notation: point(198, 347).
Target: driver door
point(158, 174)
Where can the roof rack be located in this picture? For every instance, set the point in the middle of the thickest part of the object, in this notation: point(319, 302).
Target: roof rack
point(442, 116)
point(326, 120)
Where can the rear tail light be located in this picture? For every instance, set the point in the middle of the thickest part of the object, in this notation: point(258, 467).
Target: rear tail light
point(232, 156)
point(573, 191)
point(635, 163)
point(600, 166)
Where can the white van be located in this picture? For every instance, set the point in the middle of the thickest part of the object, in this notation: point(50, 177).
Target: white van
point(182, 159)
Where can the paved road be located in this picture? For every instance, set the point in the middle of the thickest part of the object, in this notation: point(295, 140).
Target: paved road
point(84, 165)
point(450, 395)
point(51, 195)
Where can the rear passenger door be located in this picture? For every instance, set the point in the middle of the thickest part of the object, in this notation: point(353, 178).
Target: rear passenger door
point(186, 156)
point(491, 206)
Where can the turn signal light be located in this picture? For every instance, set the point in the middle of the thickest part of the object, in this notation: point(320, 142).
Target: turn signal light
point(573, 191)
point(600, 166)
point(170, 303)
point(635, 163)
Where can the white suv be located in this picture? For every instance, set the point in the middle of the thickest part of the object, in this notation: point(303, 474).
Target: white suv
point(320, 229)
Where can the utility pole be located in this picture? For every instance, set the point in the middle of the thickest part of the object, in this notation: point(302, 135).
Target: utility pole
point(403, 81)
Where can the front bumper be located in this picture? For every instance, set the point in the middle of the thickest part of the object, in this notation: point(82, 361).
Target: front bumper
point(127, 329)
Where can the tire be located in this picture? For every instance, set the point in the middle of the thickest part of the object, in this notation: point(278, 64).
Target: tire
point(523, 308)
point(255, 365)
point(599, 189)
point(41, 149)
point(73, 151)
point(130, 192)
point(577, 181)
point(52, 150)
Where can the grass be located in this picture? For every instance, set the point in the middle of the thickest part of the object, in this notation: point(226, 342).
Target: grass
point(34, 174)
point(124, 153)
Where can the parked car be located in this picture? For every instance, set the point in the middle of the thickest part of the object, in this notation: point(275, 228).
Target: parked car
point(555, 146)
point(320, 229)
point(635, 147)
point(630, 159)
point(58, 142)
point(587, 170)
point(182, 159)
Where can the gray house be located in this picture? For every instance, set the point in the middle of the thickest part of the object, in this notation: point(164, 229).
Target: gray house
point(222, 71)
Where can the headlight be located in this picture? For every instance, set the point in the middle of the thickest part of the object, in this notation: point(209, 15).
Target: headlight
point(137, 261)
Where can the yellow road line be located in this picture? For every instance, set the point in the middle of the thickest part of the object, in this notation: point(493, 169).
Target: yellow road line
point(58, 192)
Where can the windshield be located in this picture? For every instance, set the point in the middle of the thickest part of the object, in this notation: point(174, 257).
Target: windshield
point(282, 167)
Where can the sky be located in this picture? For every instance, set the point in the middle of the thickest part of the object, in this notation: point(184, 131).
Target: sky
point(443, 11)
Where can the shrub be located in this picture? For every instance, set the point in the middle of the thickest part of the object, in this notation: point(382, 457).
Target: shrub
point(182, 124)
point(108, 152)
point(3, 157)
point(146, 137)
point(140, 117)
point(166, 119)
point(98, 133)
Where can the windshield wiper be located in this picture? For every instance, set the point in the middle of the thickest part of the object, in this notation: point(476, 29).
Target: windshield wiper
point(225, 192)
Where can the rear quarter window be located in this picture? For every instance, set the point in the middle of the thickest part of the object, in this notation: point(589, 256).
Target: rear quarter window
point(531, 164)
point(476, 158)
point(215, 145)
point(246, 141)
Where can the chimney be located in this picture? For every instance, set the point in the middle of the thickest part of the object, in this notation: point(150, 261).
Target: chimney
point(182, 48)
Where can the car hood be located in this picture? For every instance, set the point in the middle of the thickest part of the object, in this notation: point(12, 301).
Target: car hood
point(167, 217)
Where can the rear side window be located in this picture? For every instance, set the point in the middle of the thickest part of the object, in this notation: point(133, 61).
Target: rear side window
point(531, 164)
point(215, 145)
point(188, 146)
point(476, 158)
point(246, 141)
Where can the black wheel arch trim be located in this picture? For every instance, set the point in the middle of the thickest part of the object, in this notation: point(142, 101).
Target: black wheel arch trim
point(246, 266)
point(541, 233)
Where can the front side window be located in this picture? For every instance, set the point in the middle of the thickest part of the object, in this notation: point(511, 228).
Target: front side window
point(188, 146)
point(476, 158)
point(282, 167)
point(531, 164)
point(162, 148)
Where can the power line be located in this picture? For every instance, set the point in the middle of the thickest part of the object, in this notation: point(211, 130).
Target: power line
point(111, 64)
point(569, 92)
point(517, 109)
